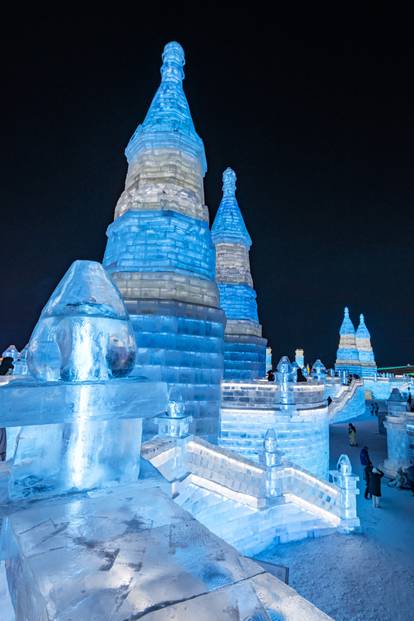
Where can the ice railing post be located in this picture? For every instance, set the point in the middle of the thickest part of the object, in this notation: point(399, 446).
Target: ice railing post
point(343, 478)
point(273, 462)
point(175, 423)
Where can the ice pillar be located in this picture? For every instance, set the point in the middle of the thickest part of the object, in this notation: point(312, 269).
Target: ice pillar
point(160, 253)
point(244, 347)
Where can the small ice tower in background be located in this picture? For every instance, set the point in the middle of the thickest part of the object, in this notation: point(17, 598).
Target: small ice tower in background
point(244, 347)
point(300, 358)
point(347, 358)
point(367, 362)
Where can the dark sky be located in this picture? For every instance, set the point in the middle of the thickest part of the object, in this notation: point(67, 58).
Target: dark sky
point(314, 112)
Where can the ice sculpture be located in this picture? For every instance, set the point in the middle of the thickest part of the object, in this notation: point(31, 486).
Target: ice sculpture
point(367, 363)
point(319, 371)
point(300, 358)
point(11, 352)
point(347, 358)
point(84, 332)
point(160, 253)
point(244, 347)
point(81, 421)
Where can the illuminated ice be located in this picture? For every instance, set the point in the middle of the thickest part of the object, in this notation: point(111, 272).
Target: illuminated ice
point(84, 332)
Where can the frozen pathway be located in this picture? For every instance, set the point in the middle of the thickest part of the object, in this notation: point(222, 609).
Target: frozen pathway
point(367, 576)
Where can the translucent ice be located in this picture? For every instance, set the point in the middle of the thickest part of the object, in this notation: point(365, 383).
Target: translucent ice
point(84, 332)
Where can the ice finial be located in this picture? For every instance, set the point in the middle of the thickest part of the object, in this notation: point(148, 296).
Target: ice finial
point(347, 326)
point(229, 182)
point(362, 332)
point(361, 319)
point(270, 441)
point(346, 312)
point(173, 61)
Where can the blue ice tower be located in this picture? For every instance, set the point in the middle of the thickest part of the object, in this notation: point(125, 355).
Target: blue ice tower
point(347, 358)
point(161, 256)
point(368, 366)
point(244, 347)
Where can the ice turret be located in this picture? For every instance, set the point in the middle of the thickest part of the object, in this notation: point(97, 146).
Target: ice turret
point(347, 358)
point(161, 256)
point(244, 348)
point(367, 363)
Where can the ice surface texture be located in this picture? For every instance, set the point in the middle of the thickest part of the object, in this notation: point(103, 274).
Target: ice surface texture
point(84, 332)
point(133, 553)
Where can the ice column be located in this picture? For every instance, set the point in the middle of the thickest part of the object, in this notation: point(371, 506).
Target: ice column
point(347, 358)
point(367, 363)
point(160, 253)
point(347, 483)
point(244, 347)
point(397, 437)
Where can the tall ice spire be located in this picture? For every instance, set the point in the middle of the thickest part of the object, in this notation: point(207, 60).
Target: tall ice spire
point(365, 352)
point(347, 355)
point(244, 347)
point(161, 256)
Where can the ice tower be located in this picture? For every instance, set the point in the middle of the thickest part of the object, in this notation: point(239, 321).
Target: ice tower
point(244, 347)
point(347, 358)
point(367, 363)
point(160, 253)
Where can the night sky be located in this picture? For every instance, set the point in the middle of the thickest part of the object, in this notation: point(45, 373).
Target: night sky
point(314, 112)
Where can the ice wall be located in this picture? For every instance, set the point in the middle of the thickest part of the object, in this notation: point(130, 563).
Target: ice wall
point(244, 347)
point(161, 256)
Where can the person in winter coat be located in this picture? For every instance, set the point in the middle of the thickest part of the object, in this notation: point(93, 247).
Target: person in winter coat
point(367, 477)
point(375, 486)
point(352, 435)
point(409, 473)
point(3, 444)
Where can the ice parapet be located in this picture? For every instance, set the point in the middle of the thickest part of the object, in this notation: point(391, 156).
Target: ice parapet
point(84, 332)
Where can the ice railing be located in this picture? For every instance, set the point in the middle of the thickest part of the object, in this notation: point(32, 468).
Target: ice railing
point(247, 479)
point(341, 401)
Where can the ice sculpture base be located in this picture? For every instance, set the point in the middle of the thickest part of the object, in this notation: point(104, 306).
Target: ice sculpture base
point(132, 553)
point(88, 434)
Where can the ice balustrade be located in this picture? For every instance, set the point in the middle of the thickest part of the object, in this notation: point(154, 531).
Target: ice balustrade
point(349, 402)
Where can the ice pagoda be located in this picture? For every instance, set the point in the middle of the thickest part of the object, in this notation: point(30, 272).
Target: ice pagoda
point(244, 347)
point(367, 362)
point(347, 358)
point(161, 256)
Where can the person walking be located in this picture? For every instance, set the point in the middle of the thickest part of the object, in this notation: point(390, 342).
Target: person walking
point(367, 478)
point(352, 435)
point(3, 444)
point(375, 486)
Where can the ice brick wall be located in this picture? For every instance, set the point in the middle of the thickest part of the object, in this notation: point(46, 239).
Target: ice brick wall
point(244, 347)
point(249, 409)
point(160, 254)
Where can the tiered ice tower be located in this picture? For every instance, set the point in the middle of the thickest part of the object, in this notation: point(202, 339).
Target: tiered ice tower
point(347, 358)
point(161, 256)
point(244, 347)
point(367, 362)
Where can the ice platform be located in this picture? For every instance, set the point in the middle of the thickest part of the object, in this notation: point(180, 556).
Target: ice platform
point(131, 553)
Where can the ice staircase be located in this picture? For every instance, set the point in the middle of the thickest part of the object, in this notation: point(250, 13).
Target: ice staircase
point(348, 403)
point(228, 494)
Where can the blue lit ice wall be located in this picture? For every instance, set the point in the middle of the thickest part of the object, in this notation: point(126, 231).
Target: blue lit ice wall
point(347, 358)
point(244, 347)
point(160, 253)
point(367, 362)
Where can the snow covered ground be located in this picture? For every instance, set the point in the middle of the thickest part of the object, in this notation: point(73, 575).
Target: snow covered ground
point(368, 576)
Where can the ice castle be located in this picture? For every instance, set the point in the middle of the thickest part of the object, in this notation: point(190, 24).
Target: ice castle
point(244, 347)
point(161, 256)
